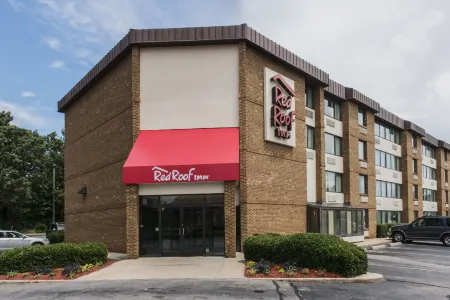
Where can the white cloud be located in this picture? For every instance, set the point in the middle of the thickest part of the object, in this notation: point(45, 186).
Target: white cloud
point(28, 94)
point(24, 115)
point(53, 42)
point(58, 64)
point(392, 51)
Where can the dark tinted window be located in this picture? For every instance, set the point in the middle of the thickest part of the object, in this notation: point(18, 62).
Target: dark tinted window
point(433, 222)
point(448, 221)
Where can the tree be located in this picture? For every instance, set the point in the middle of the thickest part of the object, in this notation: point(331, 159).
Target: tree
point(26, 166)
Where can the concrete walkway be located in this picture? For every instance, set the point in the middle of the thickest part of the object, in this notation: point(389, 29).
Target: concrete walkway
point(172, 267)
point(374, 242)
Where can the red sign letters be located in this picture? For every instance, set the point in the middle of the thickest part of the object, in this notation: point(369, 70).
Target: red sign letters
point(282, 95)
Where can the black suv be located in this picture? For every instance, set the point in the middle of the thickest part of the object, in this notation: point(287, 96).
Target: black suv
point(426, 228)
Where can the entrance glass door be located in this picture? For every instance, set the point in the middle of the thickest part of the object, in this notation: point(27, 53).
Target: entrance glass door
point(193, 230)
point(171, 229)
point(182, 225)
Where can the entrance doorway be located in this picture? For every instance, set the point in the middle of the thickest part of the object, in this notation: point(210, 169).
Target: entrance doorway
point(182, 225)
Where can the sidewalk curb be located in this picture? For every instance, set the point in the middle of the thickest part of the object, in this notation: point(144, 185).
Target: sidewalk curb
point(381, 246)
point(366, 278)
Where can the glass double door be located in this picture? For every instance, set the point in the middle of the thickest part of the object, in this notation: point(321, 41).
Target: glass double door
point(182, 230)
point(182, 225)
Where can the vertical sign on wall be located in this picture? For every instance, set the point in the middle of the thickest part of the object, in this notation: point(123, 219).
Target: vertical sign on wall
point(279, 108)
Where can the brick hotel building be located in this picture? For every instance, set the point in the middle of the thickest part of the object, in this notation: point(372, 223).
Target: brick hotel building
point(186, 141)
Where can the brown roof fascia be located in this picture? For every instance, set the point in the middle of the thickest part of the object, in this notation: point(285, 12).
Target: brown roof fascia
point(443, 144)
point(431, 140)
point(390, 118)
point(194, 36)
point(354, 95)
point(336, 89)
point(414, 128)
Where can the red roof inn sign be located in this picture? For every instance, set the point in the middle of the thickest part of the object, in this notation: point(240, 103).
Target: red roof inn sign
point(279, 109)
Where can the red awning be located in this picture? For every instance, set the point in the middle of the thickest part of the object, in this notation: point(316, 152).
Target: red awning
point(184, 155)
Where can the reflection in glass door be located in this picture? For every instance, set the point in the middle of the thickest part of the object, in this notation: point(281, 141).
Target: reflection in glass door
point(171, 231)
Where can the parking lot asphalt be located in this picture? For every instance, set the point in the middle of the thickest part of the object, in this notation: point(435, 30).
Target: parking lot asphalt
point(412, 271)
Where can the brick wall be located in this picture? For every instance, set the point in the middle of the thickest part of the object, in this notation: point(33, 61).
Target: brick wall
point(230, 218)
point(273, 198)
point(407, 175)
point(352, 134)
point(98, 140)
point(319, 143)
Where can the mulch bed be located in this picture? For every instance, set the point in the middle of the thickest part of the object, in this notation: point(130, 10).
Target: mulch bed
point(274, 273)
point(57, 276)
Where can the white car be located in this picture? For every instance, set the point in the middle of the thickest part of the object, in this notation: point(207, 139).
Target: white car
point(14, 239)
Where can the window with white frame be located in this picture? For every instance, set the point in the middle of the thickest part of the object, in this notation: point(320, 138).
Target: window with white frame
point(387, 132)
point(428, 195)
point(309, 137)
point(362, 150)
point(332, 108)
point(387, 160)
point(428, 150)
point(428, 172)
point(362, 121)
point(363, 184)
point(333, 182)
point(333, 144)
point(309, 97)
point(388, 189)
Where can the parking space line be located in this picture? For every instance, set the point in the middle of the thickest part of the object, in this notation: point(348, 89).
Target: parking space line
point(401, 267)
point(404, 252)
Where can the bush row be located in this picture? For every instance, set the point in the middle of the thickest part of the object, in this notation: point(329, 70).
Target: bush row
point(308, 250)
point(56, 237)
point(29, 258)
point(384, 230)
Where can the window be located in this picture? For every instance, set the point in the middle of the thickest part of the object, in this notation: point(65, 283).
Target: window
point(448, 221)
point(366, 218)
point(387, 132)
point(342, 222)
point(363, 184)
point(334, 182)
point(446, 175)
point(415, 192)
point(428, 172)
point(384, 217)
point(332, 109)
point(332, 144)
point(429, 151)
point(445, 157)
point(388, 189)
point(309, 97)
point(386, 160)
point(309, 137)
point(415, 166)
point(429, 214)
point(428, 195)
point(362, 150)
point(446, 197)
point(414, 141)
point(416, 215)
point(362, 116)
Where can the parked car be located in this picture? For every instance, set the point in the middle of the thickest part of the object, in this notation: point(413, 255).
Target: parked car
point(426, 228)
point(13, 239)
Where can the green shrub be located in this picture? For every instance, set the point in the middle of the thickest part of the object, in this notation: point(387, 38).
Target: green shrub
point(309, 250)
point(40, 228)
point(56, 237)
point(28, 259)
point(384, 230)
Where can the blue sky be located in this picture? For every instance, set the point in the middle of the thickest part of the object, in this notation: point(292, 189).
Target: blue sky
point(395, 52)
point(51, 45)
